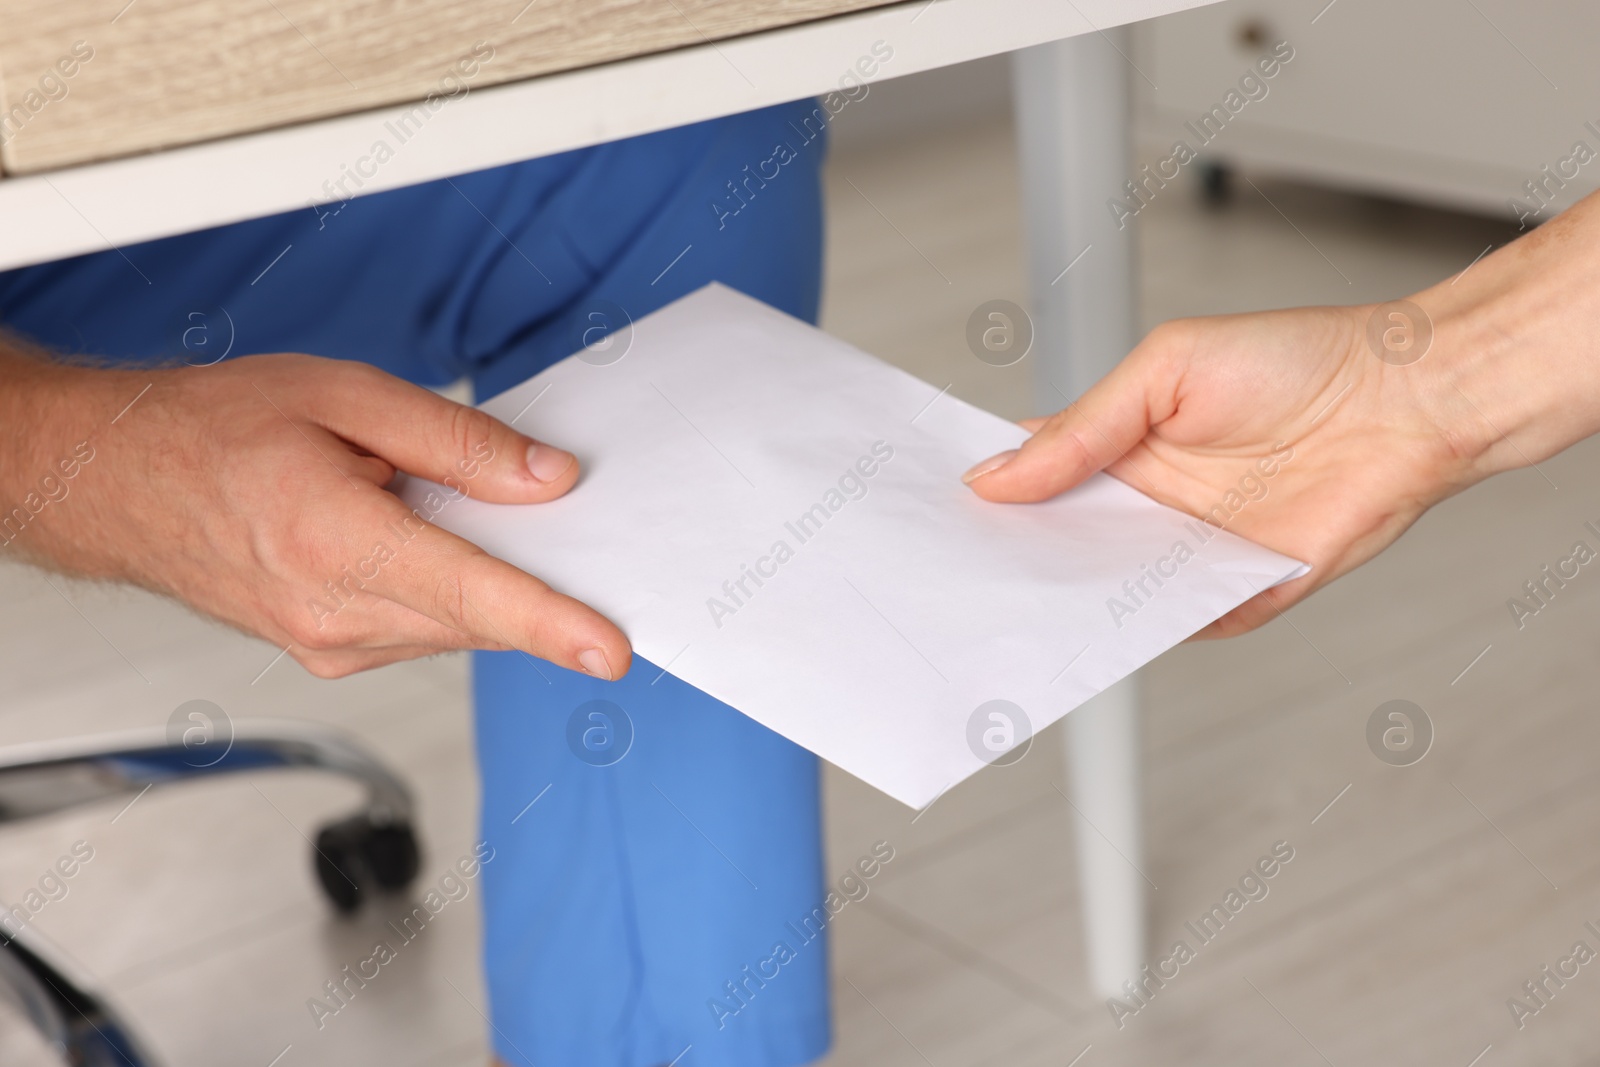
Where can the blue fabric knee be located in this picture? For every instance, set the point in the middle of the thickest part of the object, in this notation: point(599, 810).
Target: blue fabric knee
point(621, 905)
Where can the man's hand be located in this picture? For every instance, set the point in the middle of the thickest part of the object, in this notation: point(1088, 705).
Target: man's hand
point(255, 491)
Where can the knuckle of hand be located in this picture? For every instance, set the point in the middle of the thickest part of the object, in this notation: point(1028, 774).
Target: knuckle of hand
point(313, 640)
point(277, 549)
point(1163, 332)
point(450, 601)
point(315, 634)
point(1172, 333)
point(1076, 452)
point(1057, 423)
point(471, 432)
point(1062, 437)
point(545, 637)
point(284, 374)
point(360, 373)
point(323, 666)
point(1169, 347)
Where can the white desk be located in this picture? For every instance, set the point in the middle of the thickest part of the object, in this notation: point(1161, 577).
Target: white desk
point(88, 208)
point(1072, 79)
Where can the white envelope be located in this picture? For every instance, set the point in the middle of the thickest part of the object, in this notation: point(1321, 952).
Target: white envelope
point(778, 518)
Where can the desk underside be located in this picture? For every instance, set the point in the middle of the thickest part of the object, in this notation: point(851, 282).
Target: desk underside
point(174, 72)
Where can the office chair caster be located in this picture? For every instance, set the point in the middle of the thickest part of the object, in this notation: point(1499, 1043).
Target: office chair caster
point(1216, 184)
point(375, 850)
point(354, 856)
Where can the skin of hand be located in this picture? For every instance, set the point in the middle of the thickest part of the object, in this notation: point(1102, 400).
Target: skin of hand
point(1358, 446)
point(256, 492)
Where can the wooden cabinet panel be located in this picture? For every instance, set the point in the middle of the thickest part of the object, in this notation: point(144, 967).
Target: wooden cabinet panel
point(86, 80)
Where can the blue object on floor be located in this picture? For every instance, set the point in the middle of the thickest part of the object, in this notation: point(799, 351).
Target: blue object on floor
point(632, 908)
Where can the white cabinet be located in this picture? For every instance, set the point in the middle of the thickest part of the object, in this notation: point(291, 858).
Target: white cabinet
point(1459, 102)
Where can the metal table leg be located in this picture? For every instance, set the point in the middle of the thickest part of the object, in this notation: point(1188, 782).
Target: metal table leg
point(1074, 137)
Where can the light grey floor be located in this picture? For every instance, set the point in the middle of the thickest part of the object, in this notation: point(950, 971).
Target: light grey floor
point(1414, 907)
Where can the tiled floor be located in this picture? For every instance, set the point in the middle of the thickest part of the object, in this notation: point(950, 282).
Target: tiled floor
point(1413, 908)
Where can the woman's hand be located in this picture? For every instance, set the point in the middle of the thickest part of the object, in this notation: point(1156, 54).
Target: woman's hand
point(255, 491)
point(1283, 427)
point(1324, 432)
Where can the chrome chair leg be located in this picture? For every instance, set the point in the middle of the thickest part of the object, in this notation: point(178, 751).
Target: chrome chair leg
point(71, 1018)
point(374, 849)
point(48, 776)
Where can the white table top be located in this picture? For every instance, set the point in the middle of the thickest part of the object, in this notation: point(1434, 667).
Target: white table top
point(101, 205)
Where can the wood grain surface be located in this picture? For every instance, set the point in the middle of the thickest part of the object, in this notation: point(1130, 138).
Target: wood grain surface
point(96, 79)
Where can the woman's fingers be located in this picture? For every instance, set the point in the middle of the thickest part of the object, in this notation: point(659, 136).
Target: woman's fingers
point(1085, 437)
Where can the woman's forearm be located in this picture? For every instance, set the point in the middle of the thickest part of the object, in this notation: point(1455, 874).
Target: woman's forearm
point(1515, 359)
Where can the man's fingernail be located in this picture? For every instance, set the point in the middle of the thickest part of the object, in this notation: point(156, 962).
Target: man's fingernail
point(594, 661)
point(988, 466)
point(546, 463)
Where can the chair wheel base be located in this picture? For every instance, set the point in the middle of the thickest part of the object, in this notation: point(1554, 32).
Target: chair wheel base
point(356, 857)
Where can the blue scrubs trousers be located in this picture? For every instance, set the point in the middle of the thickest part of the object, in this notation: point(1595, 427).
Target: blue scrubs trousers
point(632, 911)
